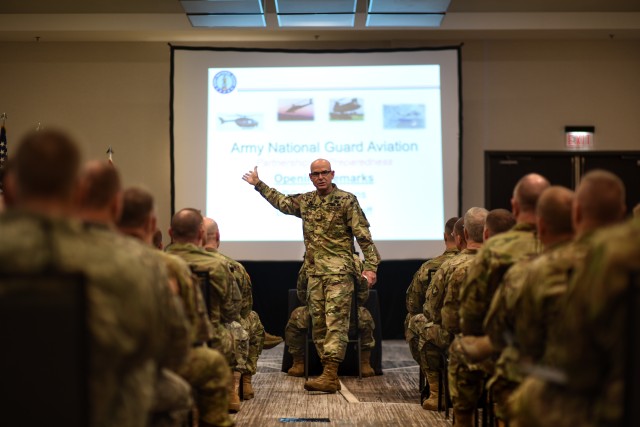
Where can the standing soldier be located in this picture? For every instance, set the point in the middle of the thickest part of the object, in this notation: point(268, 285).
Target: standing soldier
point(331, 218)
point(296, 329)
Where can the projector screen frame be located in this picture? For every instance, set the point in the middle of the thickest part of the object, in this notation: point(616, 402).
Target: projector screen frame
point(173, 49)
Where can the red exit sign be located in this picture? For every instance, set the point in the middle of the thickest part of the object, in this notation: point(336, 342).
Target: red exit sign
point(579, 138)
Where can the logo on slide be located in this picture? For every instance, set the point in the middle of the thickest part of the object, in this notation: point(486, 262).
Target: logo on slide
point(224, 82)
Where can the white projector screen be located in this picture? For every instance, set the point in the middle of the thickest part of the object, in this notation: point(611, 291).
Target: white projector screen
point(388, 121)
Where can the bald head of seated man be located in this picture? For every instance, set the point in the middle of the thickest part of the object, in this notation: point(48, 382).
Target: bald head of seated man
point(525, 197)
point(599, 201)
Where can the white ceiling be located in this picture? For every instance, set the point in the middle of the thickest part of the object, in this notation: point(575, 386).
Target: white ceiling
point(165, 21)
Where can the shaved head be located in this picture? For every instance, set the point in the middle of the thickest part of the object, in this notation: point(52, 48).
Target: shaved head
point(320, 164)
point(211, 232)
point(498, 221)
point(554, 210)
point(100, 183)
point(186, 225)
point(528, 190)
point(600, 197)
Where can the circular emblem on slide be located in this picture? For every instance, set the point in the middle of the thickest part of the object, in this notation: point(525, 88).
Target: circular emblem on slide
point(224, 82)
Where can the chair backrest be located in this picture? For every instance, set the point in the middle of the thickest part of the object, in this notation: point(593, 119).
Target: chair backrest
point(632, 377)
point(202, 276)
point(44, 360)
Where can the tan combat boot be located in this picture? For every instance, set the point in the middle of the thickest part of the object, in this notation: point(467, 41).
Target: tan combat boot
point(365, 364)
point(431, 404)
point(234, 398)
point(247, 388)
point(462, 418)
point(327, 382)
point(297, 370)
point(271, 341)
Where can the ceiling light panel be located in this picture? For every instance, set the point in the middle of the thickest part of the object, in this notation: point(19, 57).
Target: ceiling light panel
point(424, 20)
point(317, 20)
point(223, 6)
point(408, 6)
point(315, 6)
point(227, 21)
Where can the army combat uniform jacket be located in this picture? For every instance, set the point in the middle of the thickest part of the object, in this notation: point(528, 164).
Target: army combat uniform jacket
point(329, 225)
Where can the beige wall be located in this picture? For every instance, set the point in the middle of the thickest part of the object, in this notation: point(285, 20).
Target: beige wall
point(518, 95)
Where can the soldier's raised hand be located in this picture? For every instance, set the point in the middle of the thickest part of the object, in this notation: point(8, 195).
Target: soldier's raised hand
point(252, 176)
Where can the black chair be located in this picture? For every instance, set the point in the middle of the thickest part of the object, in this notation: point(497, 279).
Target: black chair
point(632, 378)
point(203, 283)
point(44, 359)
point(353, 338)
point(349, 365)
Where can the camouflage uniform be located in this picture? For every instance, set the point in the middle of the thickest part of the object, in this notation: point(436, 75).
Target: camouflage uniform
point(296, 329)
point(249, 319)
point(205, 369)
point(500, 327)
point(483, 278)
point(132, 320)
point(224, 303)
point(539, 319)
point(416, 299)
point(329, 225)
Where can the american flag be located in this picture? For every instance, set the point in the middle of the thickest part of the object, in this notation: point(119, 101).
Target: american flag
point(3, 149)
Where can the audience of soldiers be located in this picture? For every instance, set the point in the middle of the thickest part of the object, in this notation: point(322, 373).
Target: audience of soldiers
point(530, 305)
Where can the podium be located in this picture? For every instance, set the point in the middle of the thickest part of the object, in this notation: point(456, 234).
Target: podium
point(349, 366)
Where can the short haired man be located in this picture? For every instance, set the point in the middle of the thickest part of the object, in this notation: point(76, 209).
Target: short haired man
point(440, 312)
point(484, 276)
point(127, 325)
point(205, 369)
point(498, 221)
point(187, 231)
point(416, 291)
point(540, 324)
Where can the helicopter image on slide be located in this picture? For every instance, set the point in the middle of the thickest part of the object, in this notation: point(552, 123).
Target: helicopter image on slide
point(346, 110)
point(296, 107)
point(241, 121)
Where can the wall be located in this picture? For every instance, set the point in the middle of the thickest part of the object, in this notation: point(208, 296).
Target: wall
point(518, 95)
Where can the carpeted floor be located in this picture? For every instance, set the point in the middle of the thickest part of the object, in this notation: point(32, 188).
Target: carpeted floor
point(391, 399)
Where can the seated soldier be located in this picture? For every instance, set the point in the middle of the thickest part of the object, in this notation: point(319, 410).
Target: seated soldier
point(205, 369)
point(249, 319)
point(100, 206)
point(187, 231)
point(296, 329)
point(128, 328)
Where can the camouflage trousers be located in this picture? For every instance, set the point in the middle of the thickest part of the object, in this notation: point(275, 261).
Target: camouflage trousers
point(427, 341)
point(466, 380)
point(536, 404)
point(208, 373)
point(223, 341)
point(329, 302)
point(295, 332)
point(240, 346)
point(172, 401)
point(252, 324)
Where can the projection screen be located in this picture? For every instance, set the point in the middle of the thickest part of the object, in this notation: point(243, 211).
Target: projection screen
point(388, 121)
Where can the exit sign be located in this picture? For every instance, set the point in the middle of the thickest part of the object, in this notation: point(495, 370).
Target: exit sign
point(579, 137)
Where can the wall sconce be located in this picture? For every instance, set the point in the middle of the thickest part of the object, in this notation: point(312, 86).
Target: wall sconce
point(579, 137)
